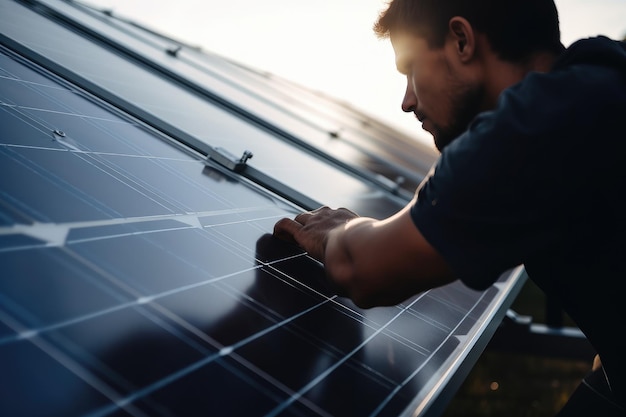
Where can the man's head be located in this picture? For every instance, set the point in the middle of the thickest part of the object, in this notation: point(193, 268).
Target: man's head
point(458, 55)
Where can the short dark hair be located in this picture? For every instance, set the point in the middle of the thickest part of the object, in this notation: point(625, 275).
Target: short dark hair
point(515, 29)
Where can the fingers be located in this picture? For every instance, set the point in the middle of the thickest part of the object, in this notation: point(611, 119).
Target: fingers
point(310, 229)
point(285, 229)
point(304, 217)
point(322, 219)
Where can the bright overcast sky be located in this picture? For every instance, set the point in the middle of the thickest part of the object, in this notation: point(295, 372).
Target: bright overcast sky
point(327, 45)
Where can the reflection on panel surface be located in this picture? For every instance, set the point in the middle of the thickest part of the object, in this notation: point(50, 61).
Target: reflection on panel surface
point(138, 279)
point(336, 129)
point(207, 121)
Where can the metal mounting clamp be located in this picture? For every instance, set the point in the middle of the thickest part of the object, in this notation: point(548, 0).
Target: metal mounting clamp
point(228, 160)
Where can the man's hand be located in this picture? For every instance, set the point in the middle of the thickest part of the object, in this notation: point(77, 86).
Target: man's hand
point(310, 229)
point(374, 262)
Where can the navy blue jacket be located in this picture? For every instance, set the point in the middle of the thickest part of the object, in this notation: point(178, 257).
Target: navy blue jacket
point(541, 181)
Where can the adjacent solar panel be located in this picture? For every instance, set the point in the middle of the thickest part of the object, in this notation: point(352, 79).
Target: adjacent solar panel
point(137, 278)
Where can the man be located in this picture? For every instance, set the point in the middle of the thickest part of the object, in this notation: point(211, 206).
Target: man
point(532, 171)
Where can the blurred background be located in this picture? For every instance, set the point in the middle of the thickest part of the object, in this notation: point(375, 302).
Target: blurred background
point(516, 384)
point(328, 45)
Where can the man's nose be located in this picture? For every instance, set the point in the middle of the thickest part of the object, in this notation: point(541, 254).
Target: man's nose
point(409, 102)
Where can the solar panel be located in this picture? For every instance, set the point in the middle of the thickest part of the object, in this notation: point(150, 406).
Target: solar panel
point(275, 112)
point(139, 278)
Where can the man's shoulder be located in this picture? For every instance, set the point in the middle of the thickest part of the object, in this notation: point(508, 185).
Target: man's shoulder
point(599, 51)
point(584, 85)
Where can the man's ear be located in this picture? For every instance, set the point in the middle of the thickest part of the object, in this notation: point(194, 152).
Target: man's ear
point(462, 34)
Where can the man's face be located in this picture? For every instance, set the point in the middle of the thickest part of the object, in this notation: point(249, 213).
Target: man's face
point(438, 91)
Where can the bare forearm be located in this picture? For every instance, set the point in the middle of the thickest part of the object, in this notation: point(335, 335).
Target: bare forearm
point(343, 253)
point(382, 262)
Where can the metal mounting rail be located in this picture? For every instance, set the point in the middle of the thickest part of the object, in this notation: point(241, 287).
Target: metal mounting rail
point(239, 165)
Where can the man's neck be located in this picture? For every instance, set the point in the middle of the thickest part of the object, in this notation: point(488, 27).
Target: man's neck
point(503, 74)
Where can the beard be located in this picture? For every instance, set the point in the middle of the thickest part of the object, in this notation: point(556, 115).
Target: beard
point(467, 102)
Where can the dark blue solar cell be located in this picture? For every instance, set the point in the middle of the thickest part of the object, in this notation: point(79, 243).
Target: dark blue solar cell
point(40, 381)
point(18, 129)
point(331, 328)
point(397, 362)
point(16, 242)
point(417, 382)
point(271, 294)
point(46, 286)
point(414, 331)
point(222, 388)
point(130, 348)
point(37, 98)
point(347, 391)
point(13, 69)
point(445, 315)
point(227, 317)
point(37, 196)
point(9, 214)
point(105, 133)
point(65, 186)
point(181, 185)
point(288, 356)
point(6, 332)
point(122, 229)
point(246, 235)
point(155, 263)
point(308, 271)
